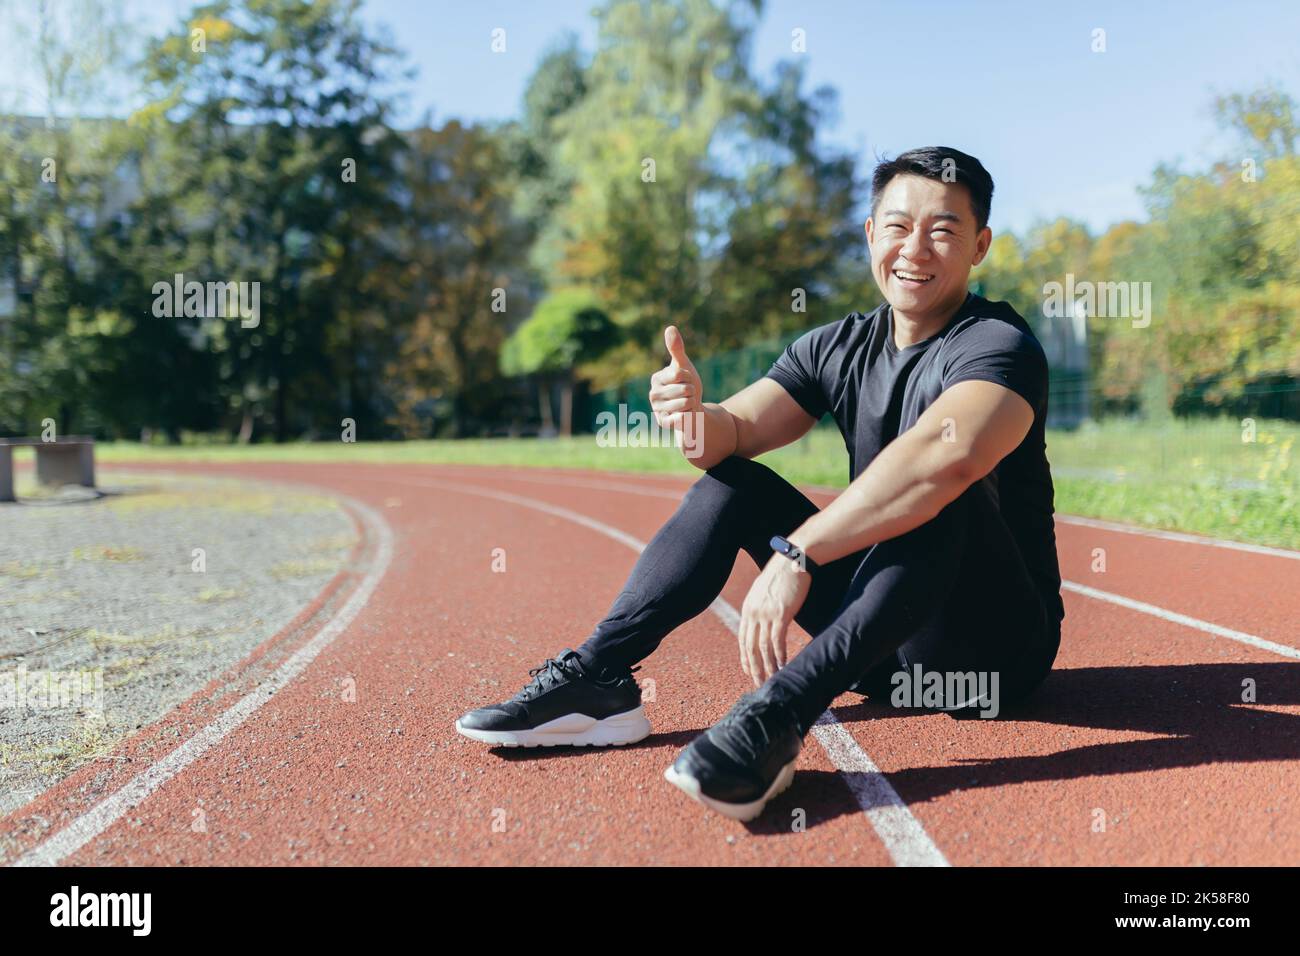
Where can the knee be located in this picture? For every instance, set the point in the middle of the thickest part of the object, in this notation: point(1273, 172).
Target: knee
point(735, 465)
point(733, 476)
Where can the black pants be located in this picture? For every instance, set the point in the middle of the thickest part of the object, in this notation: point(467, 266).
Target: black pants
point(952, 595)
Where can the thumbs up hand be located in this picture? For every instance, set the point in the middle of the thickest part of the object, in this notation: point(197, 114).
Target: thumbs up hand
point(675, 390)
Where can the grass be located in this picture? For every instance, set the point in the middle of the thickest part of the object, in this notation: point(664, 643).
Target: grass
point(17, 569)
point(227, 500)
point(104, 552)
point(63, 754)
point(1206, 476)
point(303, 569)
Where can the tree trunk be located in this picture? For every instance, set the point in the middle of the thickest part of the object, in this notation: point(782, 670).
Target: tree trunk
point(246, 427)
point(544, 400)
point(566, 406)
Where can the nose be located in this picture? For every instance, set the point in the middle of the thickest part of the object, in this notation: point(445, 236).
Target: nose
point(916, 247)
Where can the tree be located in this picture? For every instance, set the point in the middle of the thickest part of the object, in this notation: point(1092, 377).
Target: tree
point(272, 144)
point(645, 211)
point(61, 344)
point(568, 329)
point(462, 276)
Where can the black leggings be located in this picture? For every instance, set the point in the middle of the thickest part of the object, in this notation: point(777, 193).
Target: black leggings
point(952, 595)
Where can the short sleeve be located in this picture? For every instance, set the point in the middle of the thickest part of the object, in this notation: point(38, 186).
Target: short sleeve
point(798, 371)
point(999, 352)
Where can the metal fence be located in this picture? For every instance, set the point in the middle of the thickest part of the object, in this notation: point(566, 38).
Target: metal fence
point(721, 375)
point(1073, 396)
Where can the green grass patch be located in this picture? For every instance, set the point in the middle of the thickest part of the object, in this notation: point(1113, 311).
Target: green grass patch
point(1207, 476)
point(104, 552)
point(304, 568)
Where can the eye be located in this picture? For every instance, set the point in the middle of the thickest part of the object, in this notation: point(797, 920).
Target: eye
point(894, 225)
point(948, 231)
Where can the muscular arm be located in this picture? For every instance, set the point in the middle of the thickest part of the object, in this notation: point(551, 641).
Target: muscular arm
point(958, 440)
point(760, 417)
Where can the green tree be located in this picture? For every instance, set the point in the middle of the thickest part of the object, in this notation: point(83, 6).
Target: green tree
point(268, 131)
point(680, 189)
point(462, 277)
point(567, 330)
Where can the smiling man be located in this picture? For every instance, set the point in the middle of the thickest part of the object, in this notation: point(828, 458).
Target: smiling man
point(940, 555)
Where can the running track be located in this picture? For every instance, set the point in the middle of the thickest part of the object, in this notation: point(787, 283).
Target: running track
point(333, 743)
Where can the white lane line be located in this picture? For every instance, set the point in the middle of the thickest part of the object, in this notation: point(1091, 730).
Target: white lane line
point(1179, 536)
point(902, 834)
point(109, 810)
point(827, 490)
point(1141, 606)
point(1182, 619)
point(595, 483)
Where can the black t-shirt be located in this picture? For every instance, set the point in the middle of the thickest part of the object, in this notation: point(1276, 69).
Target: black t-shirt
point(852, 369)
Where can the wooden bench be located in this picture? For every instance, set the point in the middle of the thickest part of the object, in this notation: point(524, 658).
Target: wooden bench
point(65, 461)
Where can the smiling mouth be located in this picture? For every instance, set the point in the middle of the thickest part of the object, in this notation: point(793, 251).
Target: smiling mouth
point(911, 278)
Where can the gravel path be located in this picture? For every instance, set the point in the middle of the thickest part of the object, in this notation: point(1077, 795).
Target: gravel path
point(116, 608)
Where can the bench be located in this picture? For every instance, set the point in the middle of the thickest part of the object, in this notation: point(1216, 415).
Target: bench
point(65, 461)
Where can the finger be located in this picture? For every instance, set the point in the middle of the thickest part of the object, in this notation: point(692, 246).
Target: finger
point(665, 390)
point(676, 346)
point(745, 623)
point(683, 390)
point(767, 647)
point(676, 405)
point(778, 643)
point(755, 661)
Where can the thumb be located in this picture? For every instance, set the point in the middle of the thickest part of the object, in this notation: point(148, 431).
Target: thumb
point(676, 347)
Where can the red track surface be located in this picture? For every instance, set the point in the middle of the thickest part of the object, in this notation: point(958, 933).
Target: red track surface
point(1141, 725)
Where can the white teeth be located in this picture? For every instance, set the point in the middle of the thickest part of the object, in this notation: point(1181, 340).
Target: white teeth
point(911, 275)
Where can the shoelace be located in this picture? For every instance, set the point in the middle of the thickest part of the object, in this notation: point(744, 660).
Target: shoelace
point(738, 724)
point(550, 672)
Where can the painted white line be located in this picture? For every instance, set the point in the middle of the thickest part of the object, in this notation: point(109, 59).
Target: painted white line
point(1140, 606)
point(579, 482)
point(1179, 536)
point(827, 490)
point(901, 832)
point(109, 810)
point(903, 835)
point(1183, 619)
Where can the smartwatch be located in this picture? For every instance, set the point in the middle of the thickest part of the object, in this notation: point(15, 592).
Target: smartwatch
point(792, 551)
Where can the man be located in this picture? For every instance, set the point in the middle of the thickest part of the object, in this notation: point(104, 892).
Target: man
point(939, 555)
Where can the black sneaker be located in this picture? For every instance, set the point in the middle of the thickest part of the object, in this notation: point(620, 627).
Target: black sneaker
point(742, 761)
point(563, 705)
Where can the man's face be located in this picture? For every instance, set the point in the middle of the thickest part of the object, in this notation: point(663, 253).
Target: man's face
point(923, 242)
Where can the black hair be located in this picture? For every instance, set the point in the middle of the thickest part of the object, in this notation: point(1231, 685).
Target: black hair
point(944, 164)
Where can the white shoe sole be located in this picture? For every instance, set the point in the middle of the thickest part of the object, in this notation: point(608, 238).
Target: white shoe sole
point(572, 730)
point(736, 811)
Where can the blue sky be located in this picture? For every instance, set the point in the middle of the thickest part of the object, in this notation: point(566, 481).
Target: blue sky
point(1063, 130)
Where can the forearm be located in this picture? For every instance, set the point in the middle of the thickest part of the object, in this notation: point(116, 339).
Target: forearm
point(713, 440)
point(909, 482)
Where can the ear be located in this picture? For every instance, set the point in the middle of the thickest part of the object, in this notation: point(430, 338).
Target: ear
point(871, 228)
point(982, 243)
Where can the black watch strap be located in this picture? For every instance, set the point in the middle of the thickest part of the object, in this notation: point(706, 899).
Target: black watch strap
point(792, 551)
